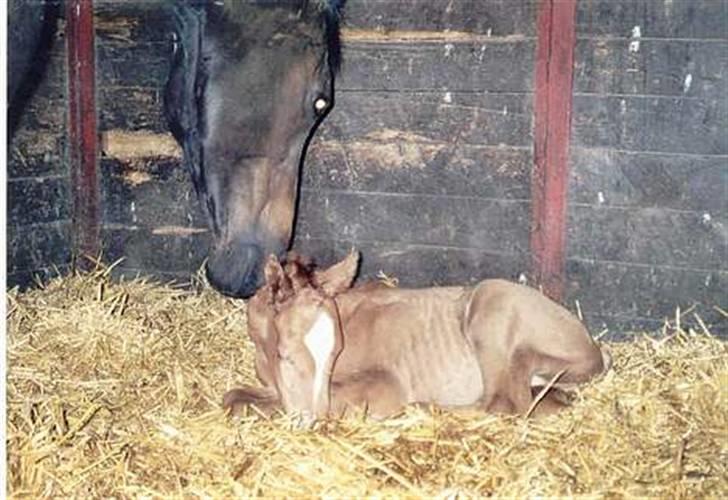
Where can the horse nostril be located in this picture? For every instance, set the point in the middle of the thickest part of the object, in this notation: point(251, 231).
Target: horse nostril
point(235, 270)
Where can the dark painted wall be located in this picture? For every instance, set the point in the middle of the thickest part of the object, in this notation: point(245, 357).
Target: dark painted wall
point(648, 208)
point(38, 204)
point(151, 217)
point(425, 162)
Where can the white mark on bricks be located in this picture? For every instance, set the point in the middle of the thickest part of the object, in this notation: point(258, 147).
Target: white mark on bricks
point(447, 97)
point(133, 212)
point(708, 280)
point(706, 218)
point(668, 8)
point(634, 45)
point(320, 343)
point(505, 111)
point(481, 54)
point(622, 106)
point(448, 49)
point(489, 33)
point(688, 81)
point(600, 198)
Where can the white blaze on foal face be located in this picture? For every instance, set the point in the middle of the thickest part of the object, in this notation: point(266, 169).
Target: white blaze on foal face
point(320, 342)
point(307, 346)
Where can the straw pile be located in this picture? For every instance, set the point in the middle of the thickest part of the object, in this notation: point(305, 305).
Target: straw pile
point(114, 391)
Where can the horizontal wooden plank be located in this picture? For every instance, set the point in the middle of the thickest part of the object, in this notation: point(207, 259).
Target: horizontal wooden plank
point(470, 118)
point(662, 67)
point(37, 247)
point(45, 112)
point(487, 225)
point(636, 292)
point(685, 182)
point(129, 22)
point(656, 18)
point(648, 236)
point(417, 266)
point(131, 108)
point(149, 192)
point(400, 166)
point(35, 201)
point(481, 66)
point(142, 249)
point(115, 6)
point(494, 17)
point(35, 153)
point(671, 125)
point(139, 65)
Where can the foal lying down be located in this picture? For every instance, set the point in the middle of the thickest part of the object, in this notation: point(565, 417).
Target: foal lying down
point(323, 347)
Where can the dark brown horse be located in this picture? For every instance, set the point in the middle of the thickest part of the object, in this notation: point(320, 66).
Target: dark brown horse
point(31, 24)
point(250, 81)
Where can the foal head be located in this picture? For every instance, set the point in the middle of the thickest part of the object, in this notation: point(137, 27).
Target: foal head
point(295, 325)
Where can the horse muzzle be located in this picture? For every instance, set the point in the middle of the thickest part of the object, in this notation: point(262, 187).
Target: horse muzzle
point(236, 271)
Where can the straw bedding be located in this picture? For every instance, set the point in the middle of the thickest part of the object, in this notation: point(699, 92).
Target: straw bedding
point(114, 391)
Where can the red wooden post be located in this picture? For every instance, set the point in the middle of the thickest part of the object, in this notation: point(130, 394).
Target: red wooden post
point(82, 133)
point(550, 176)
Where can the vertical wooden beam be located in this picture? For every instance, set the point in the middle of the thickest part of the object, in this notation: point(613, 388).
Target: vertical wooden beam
point(82, 133)
point(552, 124)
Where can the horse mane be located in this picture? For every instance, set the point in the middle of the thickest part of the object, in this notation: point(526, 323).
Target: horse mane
point(332, 10)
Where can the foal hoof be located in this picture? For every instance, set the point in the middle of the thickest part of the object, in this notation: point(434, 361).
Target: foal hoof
point(234, 401)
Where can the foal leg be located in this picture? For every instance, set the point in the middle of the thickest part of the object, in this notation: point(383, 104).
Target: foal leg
point(237, 400)
point(506, 388)
point(377, 393)
point(577, 367)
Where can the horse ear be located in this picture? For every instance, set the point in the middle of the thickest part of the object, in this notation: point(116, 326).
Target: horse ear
point(339, 277)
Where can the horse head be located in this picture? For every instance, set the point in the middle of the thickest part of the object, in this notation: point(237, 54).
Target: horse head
point(250, 82)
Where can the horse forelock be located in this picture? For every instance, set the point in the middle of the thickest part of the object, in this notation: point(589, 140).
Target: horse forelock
point(325, 14)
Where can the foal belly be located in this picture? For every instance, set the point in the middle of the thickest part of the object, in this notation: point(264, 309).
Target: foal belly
point(444, 370)
point(456, 384)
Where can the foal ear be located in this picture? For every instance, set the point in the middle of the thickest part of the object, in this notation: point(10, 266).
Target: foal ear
point(273, 271)
point(339, 277)
point(277, 283)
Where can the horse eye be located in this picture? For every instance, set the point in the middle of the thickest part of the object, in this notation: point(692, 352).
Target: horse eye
point(319, 105)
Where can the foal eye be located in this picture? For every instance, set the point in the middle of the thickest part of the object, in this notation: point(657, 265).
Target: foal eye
point(319, 105)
